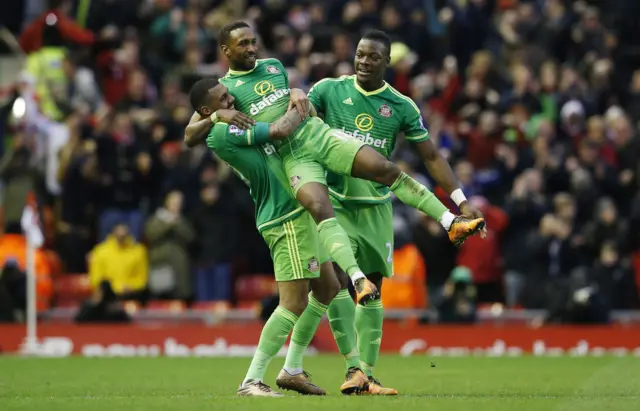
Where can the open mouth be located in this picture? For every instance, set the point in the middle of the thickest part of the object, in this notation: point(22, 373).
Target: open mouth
point(364, 72)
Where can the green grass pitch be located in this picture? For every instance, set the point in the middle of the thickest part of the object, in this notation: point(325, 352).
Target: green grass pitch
point(454, 384)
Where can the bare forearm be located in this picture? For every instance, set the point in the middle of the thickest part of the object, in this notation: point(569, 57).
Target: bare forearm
point(285, 125)
point(438, 167)
point(197, 131)
point(441, 172)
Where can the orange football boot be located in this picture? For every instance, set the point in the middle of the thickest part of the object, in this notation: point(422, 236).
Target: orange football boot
point(366, 290)
point(464, 227)
point(356, 382)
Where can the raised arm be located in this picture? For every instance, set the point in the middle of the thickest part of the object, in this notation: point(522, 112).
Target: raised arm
point(197, 130)
point(199, 127)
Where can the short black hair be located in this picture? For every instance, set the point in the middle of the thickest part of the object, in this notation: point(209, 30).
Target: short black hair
point(200, 91)
point(225, 31)
point(379, 36)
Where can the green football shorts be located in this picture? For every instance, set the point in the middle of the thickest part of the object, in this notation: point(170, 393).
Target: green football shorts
point(296, 249)
point(370, 229)
point(313, 150)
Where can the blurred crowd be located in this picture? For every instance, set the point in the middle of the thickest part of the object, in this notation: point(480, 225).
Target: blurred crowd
point(535, 103)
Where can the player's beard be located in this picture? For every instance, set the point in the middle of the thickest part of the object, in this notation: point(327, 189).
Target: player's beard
point(246, 62)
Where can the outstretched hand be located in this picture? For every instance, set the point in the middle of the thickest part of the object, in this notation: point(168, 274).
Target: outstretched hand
point(472, 212)
point(235, 118)
point(300, 101)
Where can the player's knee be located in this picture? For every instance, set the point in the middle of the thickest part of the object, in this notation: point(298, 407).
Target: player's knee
point(330, 288)
point(295, 304)
point(320, 210)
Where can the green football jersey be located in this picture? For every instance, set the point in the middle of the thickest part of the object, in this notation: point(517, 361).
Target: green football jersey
point(258, 164)
point(374, 117)
point(261, 93)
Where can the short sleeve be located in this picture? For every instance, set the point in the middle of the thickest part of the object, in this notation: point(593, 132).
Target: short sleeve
point(413, 124)
point(317, 96)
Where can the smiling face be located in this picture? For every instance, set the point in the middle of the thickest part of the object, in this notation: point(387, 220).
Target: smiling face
point(371, 61)
point(241, 49)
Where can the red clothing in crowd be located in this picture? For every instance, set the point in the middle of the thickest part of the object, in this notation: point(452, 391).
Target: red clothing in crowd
point(113, 77)
point(31, 38)
point(483, 256)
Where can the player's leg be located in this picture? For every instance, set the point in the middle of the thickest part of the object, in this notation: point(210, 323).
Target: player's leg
point(292, 376)
point(342, 311)
point(308, 250)
point(273, 336)
point(371, 165)
point(375, 252)
point(308, 182)
point(293, 286)
point(349, 156)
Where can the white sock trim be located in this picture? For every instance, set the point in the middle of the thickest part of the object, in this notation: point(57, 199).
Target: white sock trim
point(292, 371)
point(447, 219)
point(356, 276)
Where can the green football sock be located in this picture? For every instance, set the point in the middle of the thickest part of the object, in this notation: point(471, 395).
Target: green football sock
point(369, 328)
point(414, 194)
point(337, 242)
point(303, 333)
point(342, 314)
point(273, 336)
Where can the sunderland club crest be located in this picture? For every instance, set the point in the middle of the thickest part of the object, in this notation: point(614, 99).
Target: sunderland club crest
point(385, 111)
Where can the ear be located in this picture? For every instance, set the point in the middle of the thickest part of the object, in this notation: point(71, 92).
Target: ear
point(225, 50)
point(388, 59)
point(205, 111)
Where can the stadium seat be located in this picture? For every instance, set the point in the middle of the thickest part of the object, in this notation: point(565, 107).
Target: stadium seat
point(71, 289)
point(254, 287)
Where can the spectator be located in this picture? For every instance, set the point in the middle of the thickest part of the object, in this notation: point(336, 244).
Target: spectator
point(407, 288)
point(525, 207)
point(120, 177)
point(216, 224)
point(13, 295)
point(575, 299)
point(19, 177)
point(553, 256)
point(438, 253)
point(483, 257)
point(607, 226)
point(457, 304)
point(169, 234)
point(615, 279)
point(78, 174)
point(33, 37)
point(122, 262)
point(13, 259)
point(103, 307)
point(83, 92)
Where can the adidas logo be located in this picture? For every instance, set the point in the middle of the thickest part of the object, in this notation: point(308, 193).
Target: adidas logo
point(348, 101)
point(239, 83)
point(377, 341)
point(338, 334)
